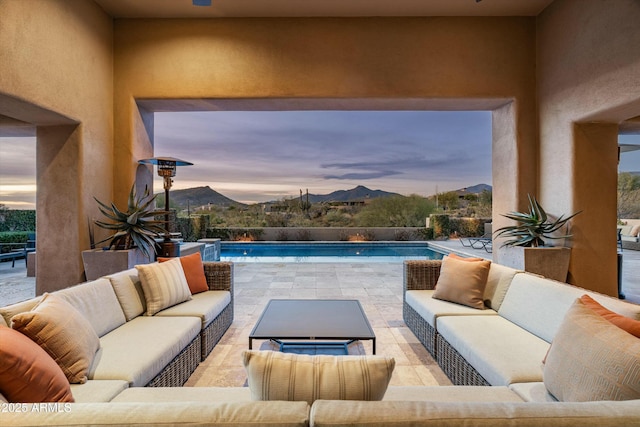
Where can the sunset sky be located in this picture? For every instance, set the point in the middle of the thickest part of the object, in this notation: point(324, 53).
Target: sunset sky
point(268, 155)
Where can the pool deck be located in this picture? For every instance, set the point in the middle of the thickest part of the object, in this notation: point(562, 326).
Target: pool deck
point(378, 287)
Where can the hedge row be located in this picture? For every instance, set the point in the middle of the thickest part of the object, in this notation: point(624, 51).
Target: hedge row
point(17, 220)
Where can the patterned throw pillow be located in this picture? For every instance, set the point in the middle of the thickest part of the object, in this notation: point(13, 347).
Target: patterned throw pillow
point(164, 285)
point(27, 373)
point(591, 359)
point(281, 376)
point(462, 281)
point(60, 329)
point(193, 271)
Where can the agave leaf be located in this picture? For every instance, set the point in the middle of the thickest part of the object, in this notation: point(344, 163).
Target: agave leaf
point(532, 226)
point(136, 226)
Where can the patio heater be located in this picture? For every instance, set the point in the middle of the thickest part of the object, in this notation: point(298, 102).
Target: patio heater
point(167, 170)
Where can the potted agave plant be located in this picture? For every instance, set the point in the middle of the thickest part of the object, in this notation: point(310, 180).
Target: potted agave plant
point(530, 232)
point(133, 238)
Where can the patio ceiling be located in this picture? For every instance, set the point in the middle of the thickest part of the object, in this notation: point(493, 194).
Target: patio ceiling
point(320, 8)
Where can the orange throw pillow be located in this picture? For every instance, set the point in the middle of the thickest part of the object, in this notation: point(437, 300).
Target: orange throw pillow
point(27, 373)
point(193, 271)
point(626, 323)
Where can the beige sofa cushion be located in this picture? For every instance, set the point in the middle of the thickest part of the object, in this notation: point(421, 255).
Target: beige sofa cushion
point(498, 282)
point(185, 394)
point(98, 390)
point(167, 414)
point(451, 394)
point(205, 305)
point(138, 350)
point(128, 289)
point(500, 351)
point(97, 302)
point(164, 285)
point(280, 376)
point(438, 414)
point(9, 311)
point(533, 392)
point(462, 282)
point(591, 359)
point(60, 329)
point(430, 308)
point(538, 304)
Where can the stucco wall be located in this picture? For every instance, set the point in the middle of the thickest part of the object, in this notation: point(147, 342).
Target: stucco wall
point(380, 63)
point(56, 71)
point(588, 82)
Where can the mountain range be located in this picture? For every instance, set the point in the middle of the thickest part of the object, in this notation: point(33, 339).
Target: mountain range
point(203, 196)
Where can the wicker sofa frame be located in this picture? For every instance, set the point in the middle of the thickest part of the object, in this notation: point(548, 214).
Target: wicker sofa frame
point(178, 371)
point(423, 275)
point(219, 277)
point(420, 275)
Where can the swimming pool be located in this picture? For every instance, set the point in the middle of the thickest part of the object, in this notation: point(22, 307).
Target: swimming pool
point(326, 251)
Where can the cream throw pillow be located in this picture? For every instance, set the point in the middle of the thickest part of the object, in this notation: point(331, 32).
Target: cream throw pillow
point(281, 376)
point(60, 329)
point(164, 285)
point(591, 359)
point(462, 282)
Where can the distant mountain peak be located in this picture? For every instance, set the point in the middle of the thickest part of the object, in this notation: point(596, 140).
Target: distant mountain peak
point(200, 196)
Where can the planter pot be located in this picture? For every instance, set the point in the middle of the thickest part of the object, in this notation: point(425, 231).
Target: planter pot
point(99, 262)
point(551, 262)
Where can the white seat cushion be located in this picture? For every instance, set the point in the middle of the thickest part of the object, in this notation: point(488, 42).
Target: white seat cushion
point(451, 394)
point(98, 390)
point(500, 351)
point(204, 305)
point(430, 308)
point(138, 350)
point(533, 392)
point(185, 394)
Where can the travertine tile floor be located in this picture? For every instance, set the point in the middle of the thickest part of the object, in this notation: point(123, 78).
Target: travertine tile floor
point(378, 287)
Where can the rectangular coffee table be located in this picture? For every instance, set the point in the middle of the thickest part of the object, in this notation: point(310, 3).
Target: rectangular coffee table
point(312, 320)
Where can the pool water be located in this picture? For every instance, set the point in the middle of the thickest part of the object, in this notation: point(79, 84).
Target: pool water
point(326, 251)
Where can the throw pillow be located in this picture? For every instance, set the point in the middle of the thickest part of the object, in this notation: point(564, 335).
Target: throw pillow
point(60, 329)
point(281, 376)
point(461, 258)
point(626, 323)
point(591, 359)
point(164, 285)
point(462, 282)
point(193, 271)
point(27, 373)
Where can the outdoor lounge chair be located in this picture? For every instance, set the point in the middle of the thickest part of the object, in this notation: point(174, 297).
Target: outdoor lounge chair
point(483, 242)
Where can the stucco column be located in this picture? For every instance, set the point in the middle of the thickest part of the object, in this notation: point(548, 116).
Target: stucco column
point(514, 172)
point(593, 258)
point(61, 224)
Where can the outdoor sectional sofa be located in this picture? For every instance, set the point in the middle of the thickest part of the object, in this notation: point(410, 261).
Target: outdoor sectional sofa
point(505, 342)
point(137, 350)
point(517, 397)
